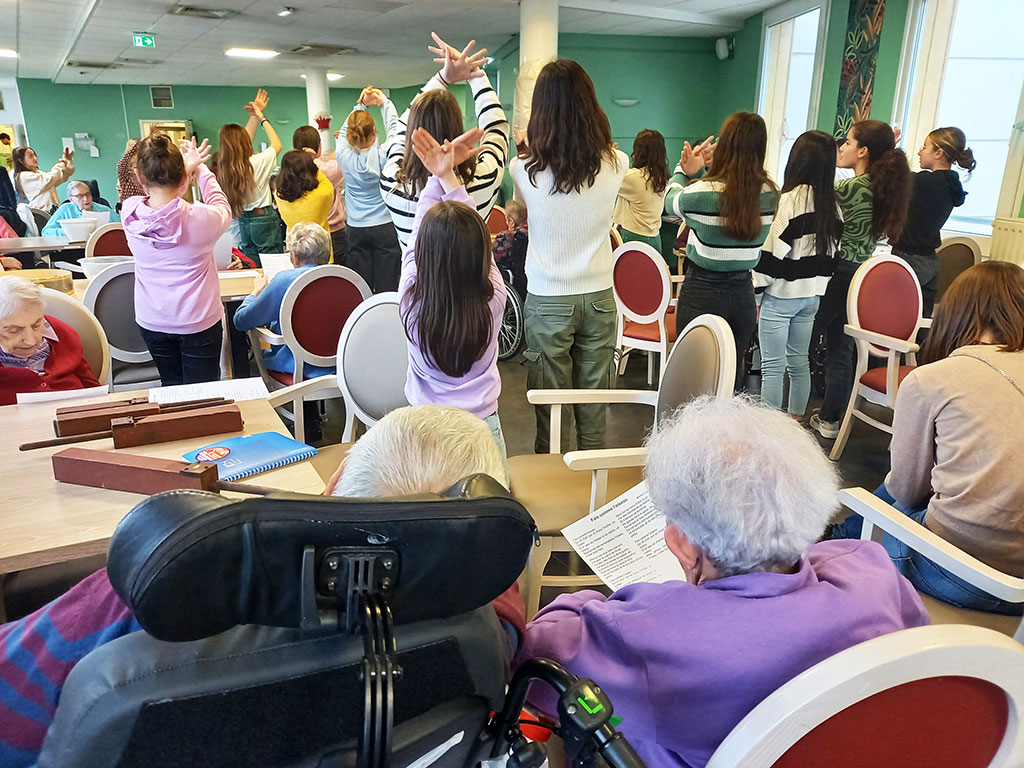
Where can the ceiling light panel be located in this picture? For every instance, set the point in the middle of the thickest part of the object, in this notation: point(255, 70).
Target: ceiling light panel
point(251, 53)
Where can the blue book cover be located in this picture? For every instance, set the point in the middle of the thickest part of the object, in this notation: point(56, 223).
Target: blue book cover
point(238, 457)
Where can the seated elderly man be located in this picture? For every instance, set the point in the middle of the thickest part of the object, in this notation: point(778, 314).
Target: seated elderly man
point(422, 449)
point(746, 493)
point(38, 353)
point(79, 201)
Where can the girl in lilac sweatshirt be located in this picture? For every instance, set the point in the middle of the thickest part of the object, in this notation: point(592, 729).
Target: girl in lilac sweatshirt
point(177, 294)
point(452, 293)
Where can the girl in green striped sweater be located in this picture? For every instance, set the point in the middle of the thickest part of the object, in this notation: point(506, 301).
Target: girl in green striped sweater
point(729, 211)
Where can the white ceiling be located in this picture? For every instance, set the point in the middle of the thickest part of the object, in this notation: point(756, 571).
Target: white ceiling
point(390, 36)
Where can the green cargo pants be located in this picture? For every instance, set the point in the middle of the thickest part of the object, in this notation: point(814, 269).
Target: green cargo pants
point(569, 343)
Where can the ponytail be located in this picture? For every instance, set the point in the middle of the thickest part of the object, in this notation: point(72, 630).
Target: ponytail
point(891, 183)
point(953, 144)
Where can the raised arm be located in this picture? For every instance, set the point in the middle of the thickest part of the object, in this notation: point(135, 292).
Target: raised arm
point(260, 102)
point(691, 166)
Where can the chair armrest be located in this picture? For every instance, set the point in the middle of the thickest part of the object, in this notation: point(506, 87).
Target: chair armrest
point(609, 396)
point(881, 340)
point(916, 536)
point(269, 336)
point(605, 458)
point(320, 385)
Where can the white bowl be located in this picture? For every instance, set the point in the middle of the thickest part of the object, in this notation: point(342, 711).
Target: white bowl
point(100, 217)
point(78, 230)
point(97, 264)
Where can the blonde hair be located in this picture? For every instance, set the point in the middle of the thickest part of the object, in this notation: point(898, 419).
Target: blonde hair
point(359, 128)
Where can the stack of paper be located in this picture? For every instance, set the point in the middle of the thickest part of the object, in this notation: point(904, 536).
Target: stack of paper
point(232, 389)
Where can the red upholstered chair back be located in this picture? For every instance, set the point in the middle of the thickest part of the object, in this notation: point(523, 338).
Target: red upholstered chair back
point(641, 282)
point(885, 297)
point(108, 240)
point(497, 222)
point(962, 726)
point(315, 309)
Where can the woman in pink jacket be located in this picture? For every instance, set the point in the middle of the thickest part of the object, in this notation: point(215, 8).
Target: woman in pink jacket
point(177, 295)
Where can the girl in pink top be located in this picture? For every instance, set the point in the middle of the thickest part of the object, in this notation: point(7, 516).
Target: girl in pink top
point(177, 295)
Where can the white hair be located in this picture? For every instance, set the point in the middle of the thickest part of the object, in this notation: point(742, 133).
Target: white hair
point(419, 449)
point(310, 243)
point(16, 293)
point(743, 481)
point(78, 183)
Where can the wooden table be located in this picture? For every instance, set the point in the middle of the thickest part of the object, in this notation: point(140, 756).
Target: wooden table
point(44, 522)
point(19, 244)
point(235, 284)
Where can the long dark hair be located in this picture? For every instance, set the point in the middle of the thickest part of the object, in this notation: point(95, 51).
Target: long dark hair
point(739, 165)
point(297, 176)
point(650, 156)
point(438, 112)
point(452, 288)
point(812, 161)
point(568, 131)
point(987, 297)
point(234, 169)
point(891, 183)
point(159, 161)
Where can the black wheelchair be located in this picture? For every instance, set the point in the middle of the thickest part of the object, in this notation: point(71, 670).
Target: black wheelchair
point(512, 334)
point(302, 631)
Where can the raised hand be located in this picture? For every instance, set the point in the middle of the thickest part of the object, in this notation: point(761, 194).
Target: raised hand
point(261, 99)
point(458, 65)
point(255, 110)
point(438, 159)
point(692, 158)
point(708, 153)
point(464, 146)
point(68, 154)
point(371, 97)
point(194, 155)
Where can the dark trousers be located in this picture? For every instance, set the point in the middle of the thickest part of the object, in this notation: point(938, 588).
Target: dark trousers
point(185, 358)
point(339, 245)
point(839, 348)
point(375, 254)
point(730, 295)
point(260, 231)
point(927, 270)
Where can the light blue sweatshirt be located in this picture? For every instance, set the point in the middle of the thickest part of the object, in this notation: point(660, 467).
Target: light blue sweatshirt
point(364, 206)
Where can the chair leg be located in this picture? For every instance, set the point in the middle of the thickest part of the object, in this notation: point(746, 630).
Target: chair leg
point(650, 368)
point(623, 359)
point(539, 556)
point(845, 428)
point(300, 420)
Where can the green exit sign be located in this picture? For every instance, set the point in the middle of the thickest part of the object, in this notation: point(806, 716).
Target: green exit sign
point(142, 40)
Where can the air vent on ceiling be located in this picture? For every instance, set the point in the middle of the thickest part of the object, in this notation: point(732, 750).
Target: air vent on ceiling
point(202, 13)
point(92, 65)
point(314, 50)
point(161, 96)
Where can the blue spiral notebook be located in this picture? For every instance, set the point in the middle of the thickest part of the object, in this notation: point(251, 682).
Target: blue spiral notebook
point(239, 457)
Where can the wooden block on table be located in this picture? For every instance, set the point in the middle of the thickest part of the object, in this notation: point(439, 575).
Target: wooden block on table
point(126, 472)
point(164, 428)
point(94, 419)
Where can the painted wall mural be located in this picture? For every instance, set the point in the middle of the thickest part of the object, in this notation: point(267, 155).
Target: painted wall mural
point(860, 56)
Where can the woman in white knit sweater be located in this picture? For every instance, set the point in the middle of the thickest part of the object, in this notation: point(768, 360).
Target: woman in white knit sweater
point(569, 176)
point(39, 188)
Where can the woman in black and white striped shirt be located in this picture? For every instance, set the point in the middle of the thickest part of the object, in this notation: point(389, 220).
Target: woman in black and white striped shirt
point(403, 176)
point(795, 267)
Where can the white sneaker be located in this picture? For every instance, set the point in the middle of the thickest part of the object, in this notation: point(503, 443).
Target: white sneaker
point(827, 429)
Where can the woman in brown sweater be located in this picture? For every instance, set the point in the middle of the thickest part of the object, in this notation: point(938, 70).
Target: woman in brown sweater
point(956, 443)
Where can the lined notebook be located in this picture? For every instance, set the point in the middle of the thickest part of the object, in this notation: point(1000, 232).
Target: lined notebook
point(239, 457)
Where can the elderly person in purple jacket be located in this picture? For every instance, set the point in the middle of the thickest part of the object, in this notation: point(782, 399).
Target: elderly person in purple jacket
point(746, 494)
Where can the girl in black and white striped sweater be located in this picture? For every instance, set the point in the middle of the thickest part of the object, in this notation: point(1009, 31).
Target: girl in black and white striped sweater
point(795, 267)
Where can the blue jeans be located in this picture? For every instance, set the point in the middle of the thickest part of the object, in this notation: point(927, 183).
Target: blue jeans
point(188, 358)
point(784, 332)
point(925, 575)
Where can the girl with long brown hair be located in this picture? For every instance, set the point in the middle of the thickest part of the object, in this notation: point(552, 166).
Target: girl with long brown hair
point(453, 296)
point(434, 109)
point(956, 430)
point(937, 191)
point(728, 201)
point(39, 188)
point(569, 176)
point(642, 194)
point(874, 205)
point(244, 176)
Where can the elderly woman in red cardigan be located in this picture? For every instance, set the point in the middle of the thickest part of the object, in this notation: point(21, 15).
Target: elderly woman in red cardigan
point(37, 353)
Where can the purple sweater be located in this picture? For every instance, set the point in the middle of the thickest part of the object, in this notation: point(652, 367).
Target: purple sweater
point(176, 286)
point(684, 664)
point(477, 391)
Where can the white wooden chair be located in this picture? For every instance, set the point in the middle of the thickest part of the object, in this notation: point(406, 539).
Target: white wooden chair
point(880, 516)
point(555, 488)
point(643, 292)
point(940, 696)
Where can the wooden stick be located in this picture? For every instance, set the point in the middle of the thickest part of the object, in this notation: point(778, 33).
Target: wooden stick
point(193, 405)
point(65, 440)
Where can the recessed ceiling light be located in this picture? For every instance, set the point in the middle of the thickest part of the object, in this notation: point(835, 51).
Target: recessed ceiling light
point(251, 53)
point(286, 11)
point(332, 76)
point(8, 53)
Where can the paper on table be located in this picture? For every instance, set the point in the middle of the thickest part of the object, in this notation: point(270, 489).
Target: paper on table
point(63, 394)
point(623, 541)
point(274, 263)
point(232, 389)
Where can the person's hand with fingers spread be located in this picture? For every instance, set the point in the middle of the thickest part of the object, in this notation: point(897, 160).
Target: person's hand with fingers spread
point(373, 97)
point(194, 155)
point(708, 153)
point(692, 159)
point(441, 160)
point(262, 100)
point(458, 65)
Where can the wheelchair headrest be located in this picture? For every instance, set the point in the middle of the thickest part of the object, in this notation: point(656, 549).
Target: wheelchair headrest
point(192, 564)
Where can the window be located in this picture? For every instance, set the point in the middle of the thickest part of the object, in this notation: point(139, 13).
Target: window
point(968, 72)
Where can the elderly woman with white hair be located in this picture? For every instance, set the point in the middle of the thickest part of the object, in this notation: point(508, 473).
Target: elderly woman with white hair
point(38, 353)
point(746, 494)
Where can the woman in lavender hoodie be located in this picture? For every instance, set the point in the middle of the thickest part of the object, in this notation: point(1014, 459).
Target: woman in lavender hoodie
point(746, 492)
point(177, 294)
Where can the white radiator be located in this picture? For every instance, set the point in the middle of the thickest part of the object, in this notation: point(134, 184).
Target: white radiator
point(1008, 240)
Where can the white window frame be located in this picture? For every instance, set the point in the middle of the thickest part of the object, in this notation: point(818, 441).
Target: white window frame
point(925, 52)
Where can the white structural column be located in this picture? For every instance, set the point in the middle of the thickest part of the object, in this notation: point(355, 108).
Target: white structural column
point(538, 44)
point(318, 101)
